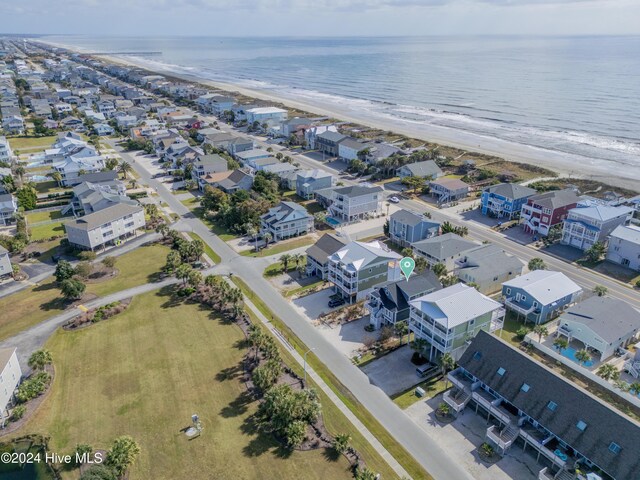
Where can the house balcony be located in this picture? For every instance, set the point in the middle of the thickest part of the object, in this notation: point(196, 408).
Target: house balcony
point(538, 440)
point(492, 405)
point(503, 437)
point(457, 398)
point(497, 319)
point(562, 330)
point(512, 304)
point(459, 380)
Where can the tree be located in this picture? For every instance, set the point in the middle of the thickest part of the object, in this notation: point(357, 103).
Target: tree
point(600, 290)
point(98, 472)
point(39, 359)
point(72, 289)
point(320, 217)
point(385, 334)
point(537, 264)
point(213, 199)
point(267, 239)
point(447, 363)
point(27, 197)
point(357, 166)
point(84, 269)
point(109, 262)
point(541, 331)
point(183, 271)
point(583, 356)
point(416, 183)
point(82, 450)
point(608, 372)
point(151, 209)
point(560, 344)
point(341, 443)
point(252, 232)
point(439, 269)
point(419, 345)
point(401, 329)
point(64, 270)
point(173, 261)
point(124, 168)
point(266, 375)
point(56, 177)
point(122, 454)
point(111, 163)
point(285, 259)
point(421, 264)
point(195, 278)
point(596, 251)
point(363, 473)
point(635, 388)
point(162, 229)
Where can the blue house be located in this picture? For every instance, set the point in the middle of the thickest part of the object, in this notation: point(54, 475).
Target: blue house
point(407, 227)
point(540, 295)
point(505, 200)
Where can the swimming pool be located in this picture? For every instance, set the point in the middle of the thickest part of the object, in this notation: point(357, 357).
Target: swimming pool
point(332, 221)
point(570, 352)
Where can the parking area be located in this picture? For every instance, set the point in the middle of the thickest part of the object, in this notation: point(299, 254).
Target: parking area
point(461, 439)
point(394, 372)
point(313, 305)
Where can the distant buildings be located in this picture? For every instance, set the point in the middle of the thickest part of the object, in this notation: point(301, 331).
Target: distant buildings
point(266, 115)
point(543, 211)
point(328, 142)
point(10, 376)
point(285, 220)
point(505, 200)
point(447, 319)
point(624, 246)
point(585, 226)
point(318, 254)
point(407, 227)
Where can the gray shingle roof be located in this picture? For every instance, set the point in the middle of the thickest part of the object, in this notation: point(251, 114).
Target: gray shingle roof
point(490, 260)
point(487, 354)
point(357, 190)
point(630, 233)
point(407, 217)
point(109, 214)
point(325, 246)
point(332, 136)
point(424, 169)
point(556, 199)
point(511, 190)
point(395, 295)
point(444, 246)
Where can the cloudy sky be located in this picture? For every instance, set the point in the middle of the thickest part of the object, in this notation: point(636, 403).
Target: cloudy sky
point(320, 17)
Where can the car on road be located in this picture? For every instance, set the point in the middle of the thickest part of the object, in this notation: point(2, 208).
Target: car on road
point(336, 302)
point(394, 199)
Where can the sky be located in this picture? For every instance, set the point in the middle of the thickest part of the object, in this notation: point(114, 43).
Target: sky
point(320, 17)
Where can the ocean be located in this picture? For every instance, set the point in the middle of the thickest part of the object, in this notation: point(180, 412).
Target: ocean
point(578, 96)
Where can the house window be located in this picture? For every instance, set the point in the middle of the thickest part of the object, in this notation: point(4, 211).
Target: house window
point(614, 447)
point(581, 425)
point(552, 406)
point(508, 291)
point(535, 304)
point(477, 355)
point(501, 371)
point(523, 298)
point(525, 388)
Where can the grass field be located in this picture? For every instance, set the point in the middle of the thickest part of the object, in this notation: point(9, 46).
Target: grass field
point(193, 204)
point(32, 143)
point(144, 375)
point(281, 247)
point(432, 388)
point(50, 186)
point(35, 304)
point(207, 249)
point(48, 230)
point(36, 217)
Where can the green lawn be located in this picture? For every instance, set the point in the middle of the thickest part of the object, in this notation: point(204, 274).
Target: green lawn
point(393, 447)
point(280, 247)
point(49, 186)
point(207, 249)
point(510, 327)
point(46, 231)
point(144, 373)
point(31, 143)
point(432, 388)
point(29, 307)
point(35, 217)
point(193, 204)
point(277, 268)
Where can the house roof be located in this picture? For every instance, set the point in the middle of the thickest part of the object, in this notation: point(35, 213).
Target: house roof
point(396, 295)
point(94, 220)
point(357, 190)
point(98, 177)
point(444, 246)
point(3, 250)
point(555, 199)
point(254, 152)
point(544, 285)
point(450, 183)
point(266, 110)
point(332, 136)
point(489, 261)
point(232, 180)
point(424, 169)
point(602, 213)
point(283, 212)
point(315, 173)
point(630, 233)
point(212, 160)
point(604, 425)
point(217, 177)
point(356, 255)
point(610, 318)
point(352, 143)
point(326, 245)
point(511, 190)
point(5, 356)
point(408, 217)
point(455, 305)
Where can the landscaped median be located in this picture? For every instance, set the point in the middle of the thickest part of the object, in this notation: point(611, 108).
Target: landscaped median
point(280, 247)
point(215, 258)
point(385, 438)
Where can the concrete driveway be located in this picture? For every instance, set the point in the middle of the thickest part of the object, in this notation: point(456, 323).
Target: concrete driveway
point(394, 372)
point(313, 305)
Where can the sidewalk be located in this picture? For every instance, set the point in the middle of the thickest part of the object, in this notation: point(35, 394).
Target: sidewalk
point(330, 393)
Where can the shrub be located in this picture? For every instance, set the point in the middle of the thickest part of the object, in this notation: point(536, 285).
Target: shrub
point(32, 387)
point(109, 262)
point(18, 412)
point(87, 255)
point(521, 333)
point(98, 472)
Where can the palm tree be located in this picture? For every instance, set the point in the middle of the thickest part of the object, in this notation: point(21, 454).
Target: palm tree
point(583, 356)
point(446, 363)
point(39, 359)
point(252, 232)
point(537, 264)
point(297, 257)
point(56, 177)
point(421, 264)
point(267, 239)
point(600, 290)
point(20, 171)
point(285, 259)
point(183, 272)
point(418, 345)
point(635, 388)
point(401, 329)
point(541, 331)
point(124, 168)
point(608, 372)
point(439, 269)
point(560, 344)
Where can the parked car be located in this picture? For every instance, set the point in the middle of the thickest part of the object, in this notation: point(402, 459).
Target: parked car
point(336, 302)
point(394, 199)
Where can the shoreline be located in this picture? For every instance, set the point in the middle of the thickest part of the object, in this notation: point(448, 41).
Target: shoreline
point(566, 165)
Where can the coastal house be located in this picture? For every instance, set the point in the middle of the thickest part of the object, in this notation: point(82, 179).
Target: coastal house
point(318, 254)
point(358, 267)
point(10, 376)
point(540, 295)
point(407, 227)
point(8, 208)
point(294, 126)
point(5, 150)
point(204, 165)
point(266, 115)
point(584, 226)
point(624, 246)
point(328, 142)
point(230, 182)
point(505, 200)
point(542, 212)
point(13, 124)
point(377, 152)
point(285, 172)
point(109, 226)
point(448, 319)
point(285, 220)
point(89, 197)
point(602, 325)
point(126, 121)
point(427, 169)
point(388, 303)
point(488, 267)
point(262, 163)
point(567, 427)
point(348, 148)
point(445, 249)
point(309, 181)
point(311, 134)
point(353, 203)
point(448, 189)
point(6, 270)
point(103, 129)
point(247, 157)
point(73, 166)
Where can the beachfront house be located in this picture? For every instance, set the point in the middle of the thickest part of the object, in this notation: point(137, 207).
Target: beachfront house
point(358, 267)
point(388, 303)
point(248, 157)
point(311, 134)
point(286, 220)
point(540, 295)
point(8, 208)
point(6, 270)
point(587, 225)
point(309, 181)
point(348, 148)
point(445, 249)
point(269, 115)
point(448, 189)
point(328, 142)
point(488, 267)
point(542, 212)
point(10, 376)
point(567, 427)
point(504, 200)
point(624, 246)
point(427, 169)
point(448, 319)
point(406, 227)
point(109, 226)
point(601, 325)
point(318, 254)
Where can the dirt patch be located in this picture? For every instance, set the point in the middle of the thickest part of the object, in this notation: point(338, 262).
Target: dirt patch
point(100, 273)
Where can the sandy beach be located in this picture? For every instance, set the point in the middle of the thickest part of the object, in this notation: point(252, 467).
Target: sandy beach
point(568, 165)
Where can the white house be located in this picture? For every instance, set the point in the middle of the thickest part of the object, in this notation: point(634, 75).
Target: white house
point(5, 263)
point(624, 246)
point(103, 129)
point(348, 148)
point(266, 114)
point(285, 220)
point(5, 150)
point(587, 225)
point(8, 208)
point(354, 203)
point(10, 375)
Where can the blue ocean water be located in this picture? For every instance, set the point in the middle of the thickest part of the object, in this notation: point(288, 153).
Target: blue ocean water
point(576, 95)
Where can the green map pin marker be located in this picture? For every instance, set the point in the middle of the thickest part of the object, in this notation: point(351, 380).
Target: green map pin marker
point(407, 264)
